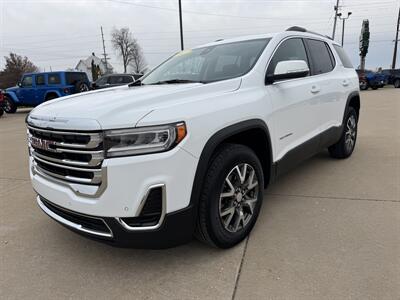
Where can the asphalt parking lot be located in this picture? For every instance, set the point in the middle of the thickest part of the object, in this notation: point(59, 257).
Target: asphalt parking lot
point(328, 230)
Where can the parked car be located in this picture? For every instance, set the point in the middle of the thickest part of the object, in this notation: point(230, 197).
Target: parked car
point(393, 77)
point(1, 103)
point(36, 88)
point(370, 79)
point(112, 80)
point(189, 149)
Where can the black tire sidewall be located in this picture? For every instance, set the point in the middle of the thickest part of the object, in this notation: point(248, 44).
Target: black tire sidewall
point(397, 83)
point(351, 111)
point(12, 105)
point(219, 235)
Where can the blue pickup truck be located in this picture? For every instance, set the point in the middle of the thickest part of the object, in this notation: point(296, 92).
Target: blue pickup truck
point(36, 88)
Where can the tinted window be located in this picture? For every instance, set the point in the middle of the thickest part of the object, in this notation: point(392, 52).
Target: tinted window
point(127, 79)
point(73, 78)
point(40, 80)
point(27, 81)
point(212, 63)
point(320, 56)
point(54, 79)
point(116, 79)
point(343, 57)
point(137, 76)
point(292, 49)
point(102, 80)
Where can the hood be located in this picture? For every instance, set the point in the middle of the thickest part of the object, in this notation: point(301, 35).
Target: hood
point(12, 89)
point(122, 107)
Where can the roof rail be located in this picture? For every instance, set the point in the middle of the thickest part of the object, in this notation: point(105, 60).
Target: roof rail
point(302, 29)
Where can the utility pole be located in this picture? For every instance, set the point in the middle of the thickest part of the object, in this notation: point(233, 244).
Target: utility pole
point(104, 50)
point(344, 21)
point(180, 23)
point(335, 19)
point(396, 41)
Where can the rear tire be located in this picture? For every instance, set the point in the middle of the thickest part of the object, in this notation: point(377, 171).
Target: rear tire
point(363, 85)
point(51, 97)
point(231, 197)
point(397, 83)
point(345, 147)
point(81, 87)
point(1, 112)
point(9, 105)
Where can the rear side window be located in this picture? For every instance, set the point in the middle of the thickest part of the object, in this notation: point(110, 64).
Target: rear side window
point(127, 79)
point(73, 78)
point(40, 80)
point(291, 49)
point(343, 56)
point(116, 79)
point(321, 57)
point(54, 79)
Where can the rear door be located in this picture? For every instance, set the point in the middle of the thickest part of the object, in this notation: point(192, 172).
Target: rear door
point(329, 91)
point(40, 90)
point(295, 119)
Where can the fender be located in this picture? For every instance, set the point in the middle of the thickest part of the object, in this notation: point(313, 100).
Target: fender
point(351, 96)
point(13, 96)
point(52, 91)
point(215, 141)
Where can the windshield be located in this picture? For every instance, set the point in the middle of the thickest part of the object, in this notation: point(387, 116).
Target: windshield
point(209, 64)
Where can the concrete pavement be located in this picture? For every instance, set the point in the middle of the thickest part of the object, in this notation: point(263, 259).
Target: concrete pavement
point(328, 230)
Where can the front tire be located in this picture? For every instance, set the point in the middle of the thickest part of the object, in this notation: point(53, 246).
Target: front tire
point(1, 112)
point(397, 83)
point(363, 85)
point(345, 147)
point(231, 197)
point(9, 105)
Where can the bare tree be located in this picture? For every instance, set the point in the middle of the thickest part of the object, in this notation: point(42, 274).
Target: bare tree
point(128, 48)
point(16, 65)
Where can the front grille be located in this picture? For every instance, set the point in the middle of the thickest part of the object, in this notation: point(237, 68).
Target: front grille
point(92, 224)
point(75, 157)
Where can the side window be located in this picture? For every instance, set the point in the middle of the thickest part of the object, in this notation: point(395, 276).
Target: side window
point(321, 57)
point(40, 80)
point(291, 49)
point(27, 81)
point(102, 80)
point(116, 79)
point(54, 79)
point(127, 79)
point(343, 57)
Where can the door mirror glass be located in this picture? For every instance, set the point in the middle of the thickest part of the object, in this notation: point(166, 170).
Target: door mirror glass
point(289, 69)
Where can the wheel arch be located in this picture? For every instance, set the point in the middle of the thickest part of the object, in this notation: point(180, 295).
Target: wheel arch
point(52, 92)
point(253, 133)
point(353, 100)
point(13, 96)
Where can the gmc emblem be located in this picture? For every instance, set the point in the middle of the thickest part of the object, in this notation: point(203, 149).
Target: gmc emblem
point(42, 144)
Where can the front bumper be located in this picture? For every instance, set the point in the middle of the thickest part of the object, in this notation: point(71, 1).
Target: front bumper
point(177, 228)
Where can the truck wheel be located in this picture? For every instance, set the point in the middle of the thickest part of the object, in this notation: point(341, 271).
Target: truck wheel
point(344, 148)
point(51, 97)
point(81, 87)
point(363, 85)
point(397, 83)
point(375, 87)
point(231, 197)
point(1, 112)
point(9, 105)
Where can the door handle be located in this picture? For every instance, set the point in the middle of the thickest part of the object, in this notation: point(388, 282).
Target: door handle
point(315, 89)
point(345, 82)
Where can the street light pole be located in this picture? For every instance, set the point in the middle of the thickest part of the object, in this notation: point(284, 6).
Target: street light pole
point(344, 22)
point(180, 23)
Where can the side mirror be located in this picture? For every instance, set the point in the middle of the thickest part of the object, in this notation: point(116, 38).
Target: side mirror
point(288, 69)
point(19, 84)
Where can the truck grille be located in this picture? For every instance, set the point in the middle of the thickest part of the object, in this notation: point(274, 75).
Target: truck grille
point(70, 156)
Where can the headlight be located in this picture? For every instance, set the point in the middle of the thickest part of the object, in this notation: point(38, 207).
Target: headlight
point(125, 142)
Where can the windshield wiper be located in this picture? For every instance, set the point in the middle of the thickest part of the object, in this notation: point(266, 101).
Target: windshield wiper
point(172, 81)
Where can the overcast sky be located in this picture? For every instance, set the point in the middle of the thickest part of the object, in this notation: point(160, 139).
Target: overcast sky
point(60, 32)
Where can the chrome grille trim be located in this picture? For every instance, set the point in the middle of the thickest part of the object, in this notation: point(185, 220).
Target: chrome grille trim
point(55, 155)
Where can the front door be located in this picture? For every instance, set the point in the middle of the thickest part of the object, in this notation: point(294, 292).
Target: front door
point(26, 92)
point(295, 104)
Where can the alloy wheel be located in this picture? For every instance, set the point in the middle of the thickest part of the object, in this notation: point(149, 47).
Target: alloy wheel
point(238, 197)
point(351, 133)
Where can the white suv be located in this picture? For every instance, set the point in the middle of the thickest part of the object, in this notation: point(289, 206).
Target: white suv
point(188, 150)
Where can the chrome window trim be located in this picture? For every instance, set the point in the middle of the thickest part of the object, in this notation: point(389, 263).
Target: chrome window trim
point(76, 226)
point(140, 208)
